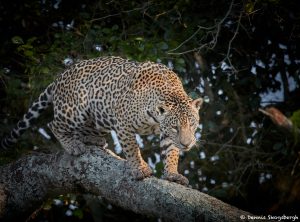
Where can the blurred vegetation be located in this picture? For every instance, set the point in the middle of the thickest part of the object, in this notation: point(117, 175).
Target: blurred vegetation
point(229, 52)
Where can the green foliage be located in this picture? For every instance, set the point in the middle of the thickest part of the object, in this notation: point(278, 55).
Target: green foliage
point(159, 167)
point(295, 118)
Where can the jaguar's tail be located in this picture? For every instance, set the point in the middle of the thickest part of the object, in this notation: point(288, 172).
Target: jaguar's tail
point(44, 100)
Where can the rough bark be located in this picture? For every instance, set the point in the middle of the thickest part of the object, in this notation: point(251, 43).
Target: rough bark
point(26, 182)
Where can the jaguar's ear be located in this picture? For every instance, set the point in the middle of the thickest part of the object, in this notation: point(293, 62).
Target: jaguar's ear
point(197, 103)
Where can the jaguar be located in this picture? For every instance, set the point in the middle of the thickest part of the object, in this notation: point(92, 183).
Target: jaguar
point(95, 96)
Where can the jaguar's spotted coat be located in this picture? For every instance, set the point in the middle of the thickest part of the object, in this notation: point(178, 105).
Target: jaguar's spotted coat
point(95, 96)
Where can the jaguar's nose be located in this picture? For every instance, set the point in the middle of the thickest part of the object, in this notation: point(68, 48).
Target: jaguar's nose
point(184, 141)
point(184, 144)
point(187, 141)
point(185, 148)
point(187, 144)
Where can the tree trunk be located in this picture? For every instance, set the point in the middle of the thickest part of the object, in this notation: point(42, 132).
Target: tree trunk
point(25, 183)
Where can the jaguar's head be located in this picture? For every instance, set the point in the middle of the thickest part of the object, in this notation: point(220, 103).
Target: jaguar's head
point(178, 123)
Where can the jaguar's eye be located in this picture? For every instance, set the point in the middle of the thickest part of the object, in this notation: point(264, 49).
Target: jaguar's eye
point(174, 129)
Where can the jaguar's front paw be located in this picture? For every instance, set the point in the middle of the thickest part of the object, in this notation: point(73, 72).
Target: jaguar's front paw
point(141, 172)
point(175, 177)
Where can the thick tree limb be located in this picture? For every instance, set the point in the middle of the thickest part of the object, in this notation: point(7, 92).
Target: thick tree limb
point(26, 182)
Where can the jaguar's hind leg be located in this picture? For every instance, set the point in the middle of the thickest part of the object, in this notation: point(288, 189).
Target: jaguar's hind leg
point(69, 140)
point(99, 141)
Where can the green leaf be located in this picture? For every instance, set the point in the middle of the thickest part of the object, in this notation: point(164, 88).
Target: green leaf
point(249, 7)
point(139, 39)
point(295, 118)
point(113, 38)
point(78, 213)
point(106, 30)
point(31, 40)
point(163, 46)
point(45, 70)
point(180, 61)
point(141, 48)
point(26, 46)
point(17, 40)
point(57, 35)
point(159, 168)
point(28, 53)
point(115, 27)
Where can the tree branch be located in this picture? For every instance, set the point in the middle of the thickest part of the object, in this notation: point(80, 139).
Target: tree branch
point(214, 31)
point(278, 118)
point(25, 183)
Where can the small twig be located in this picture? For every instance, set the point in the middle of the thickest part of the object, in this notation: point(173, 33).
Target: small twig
point(214, 30)
point(230, 43)
point(222, 21)
point(118, 14)
point(104, 17)
point(185, 41)
point(34, 214)
point(226, 144)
